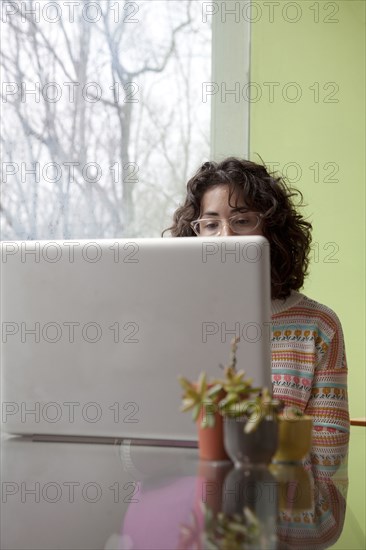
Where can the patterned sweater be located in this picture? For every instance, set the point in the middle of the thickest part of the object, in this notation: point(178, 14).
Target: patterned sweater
point(309, 367)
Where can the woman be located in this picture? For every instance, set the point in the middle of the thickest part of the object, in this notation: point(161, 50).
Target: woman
point(309, 371)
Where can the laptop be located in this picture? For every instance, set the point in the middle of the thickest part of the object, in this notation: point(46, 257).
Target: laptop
point(95, 333)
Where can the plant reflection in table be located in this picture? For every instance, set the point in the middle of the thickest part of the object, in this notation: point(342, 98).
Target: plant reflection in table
point(235, 509)
point(221, 531)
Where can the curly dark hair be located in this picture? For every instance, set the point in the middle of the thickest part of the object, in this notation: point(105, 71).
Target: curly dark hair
point(288, 233)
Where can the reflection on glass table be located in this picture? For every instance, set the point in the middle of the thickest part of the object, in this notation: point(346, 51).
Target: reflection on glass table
point(81, 496)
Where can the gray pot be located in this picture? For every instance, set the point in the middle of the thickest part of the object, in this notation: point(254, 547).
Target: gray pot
point(257, 447)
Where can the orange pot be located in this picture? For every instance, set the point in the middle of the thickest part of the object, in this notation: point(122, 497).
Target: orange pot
point(211, 440)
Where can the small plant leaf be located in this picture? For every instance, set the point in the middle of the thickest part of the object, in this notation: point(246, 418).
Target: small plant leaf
point(187, 404)
point(186, 384)
point(212, 392)
point(196, 411)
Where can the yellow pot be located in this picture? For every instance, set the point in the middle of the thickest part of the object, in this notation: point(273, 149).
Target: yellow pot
point(294, 438)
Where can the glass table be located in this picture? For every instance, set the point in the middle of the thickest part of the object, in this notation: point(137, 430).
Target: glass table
point(126, 496)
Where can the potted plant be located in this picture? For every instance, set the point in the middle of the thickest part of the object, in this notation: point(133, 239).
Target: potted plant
point(250, 426)
point(202, 399)
point(250, 417)
point(295, 436)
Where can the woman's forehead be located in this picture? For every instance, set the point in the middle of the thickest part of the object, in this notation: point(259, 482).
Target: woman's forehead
point(223, 195)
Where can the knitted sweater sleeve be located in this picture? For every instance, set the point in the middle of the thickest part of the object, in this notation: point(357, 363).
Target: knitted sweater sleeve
point(328, 402)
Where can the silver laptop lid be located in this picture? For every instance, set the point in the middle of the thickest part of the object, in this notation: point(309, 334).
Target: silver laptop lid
point(95, 334)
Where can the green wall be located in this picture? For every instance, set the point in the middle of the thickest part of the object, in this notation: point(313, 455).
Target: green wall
point(322, 136)
point(319, 141)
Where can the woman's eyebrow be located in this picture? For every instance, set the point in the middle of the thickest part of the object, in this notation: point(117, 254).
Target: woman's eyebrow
point(209, 213)
point(240, 209)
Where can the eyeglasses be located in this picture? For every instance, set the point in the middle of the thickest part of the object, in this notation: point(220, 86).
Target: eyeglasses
point(241, 224)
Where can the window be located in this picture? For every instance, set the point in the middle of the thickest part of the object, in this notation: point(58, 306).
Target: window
point(107, 112)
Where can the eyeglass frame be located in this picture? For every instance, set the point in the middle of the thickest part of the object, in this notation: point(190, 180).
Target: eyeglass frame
point(258, 215)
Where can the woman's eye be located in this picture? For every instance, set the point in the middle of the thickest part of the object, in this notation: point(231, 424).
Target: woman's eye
point(241, 221)
point(210, 225)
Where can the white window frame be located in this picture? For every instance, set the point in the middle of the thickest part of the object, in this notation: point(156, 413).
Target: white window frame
point(230, 112)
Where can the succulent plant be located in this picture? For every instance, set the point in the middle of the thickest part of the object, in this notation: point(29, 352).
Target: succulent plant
point(200, 395)
point(291, 413)
point(263, 407)
point(242, 399)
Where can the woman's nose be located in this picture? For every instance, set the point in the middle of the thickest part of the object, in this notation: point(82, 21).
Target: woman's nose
point(226, 230)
